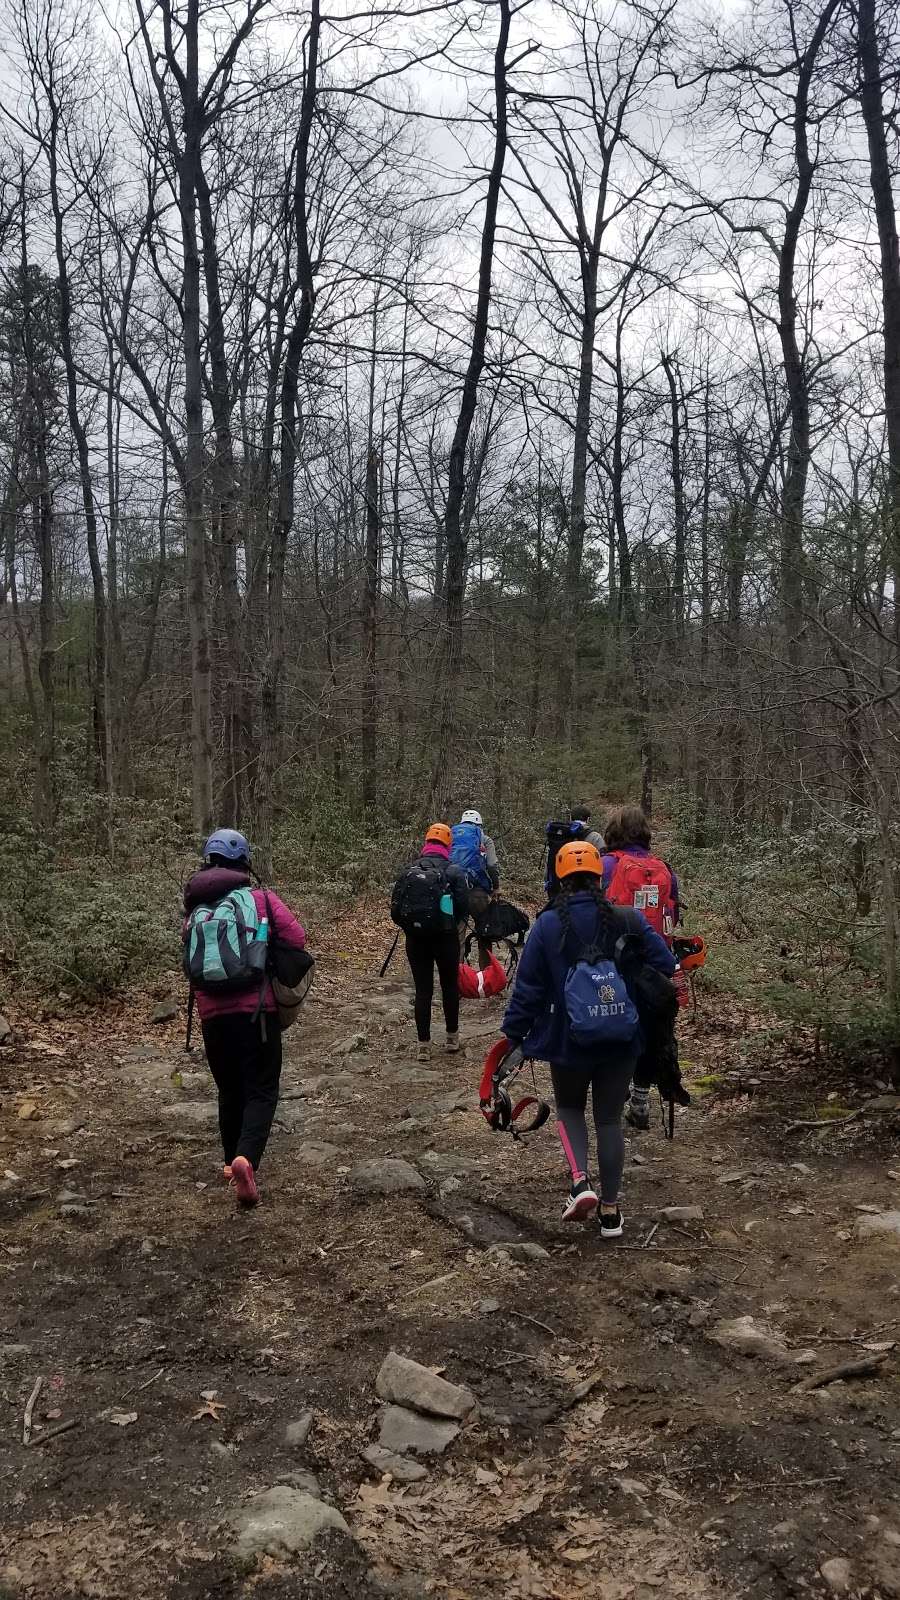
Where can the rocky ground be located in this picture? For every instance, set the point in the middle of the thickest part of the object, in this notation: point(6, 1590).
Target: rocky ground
point(220, 1412)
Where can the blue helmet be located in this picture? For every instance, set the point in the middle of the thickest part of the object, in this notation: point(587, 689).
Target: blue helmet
point(228, 843)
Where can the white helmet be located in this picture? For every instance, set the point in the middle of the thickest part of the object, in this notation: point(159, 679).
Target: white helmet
point(472, 816)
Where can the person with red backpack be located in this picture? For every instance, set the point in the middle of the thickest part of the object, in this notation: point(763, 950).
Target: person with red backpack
point(429, 899)
point(230, 932)
point(636, 879)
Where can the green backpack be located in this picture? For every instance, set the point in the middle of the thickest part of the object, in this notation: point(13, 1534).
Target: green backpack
point(226, 945)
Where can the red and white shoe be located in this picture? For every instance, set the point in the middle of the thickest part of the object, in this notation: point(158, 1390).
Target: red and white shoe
point(244, 1182)
point(582, 1203)
point(226, 1172)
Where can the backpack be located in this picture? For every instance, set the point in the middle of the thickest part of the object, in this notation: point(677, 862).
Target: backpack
point(502, 921)
point(558, 834)
point(644, 883)
point(226, 945)
point(422, 901)
point(467, 852)
point(599, 1007)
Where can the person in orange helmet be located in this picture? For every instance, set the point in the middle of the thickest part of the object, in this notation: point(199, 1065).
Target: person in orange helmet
point(571, 1006)
point(430, 898)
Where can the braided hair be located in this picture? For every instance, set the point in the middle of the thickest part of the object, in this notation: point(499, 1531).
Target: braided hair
point(584, 883)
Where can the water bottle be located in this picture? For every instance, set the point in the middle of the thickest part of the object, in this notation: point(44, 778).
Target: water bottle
point(447, 904)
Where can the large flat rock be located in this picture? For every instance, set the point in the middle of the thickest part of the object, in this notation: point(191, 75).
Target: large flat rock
point(385, 1175)
point(282, 1520)
point(404, 1431)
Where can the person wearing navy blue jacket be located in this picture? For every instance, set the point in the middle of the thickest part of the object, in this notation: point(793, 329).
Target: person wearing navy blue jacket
point(580, 919)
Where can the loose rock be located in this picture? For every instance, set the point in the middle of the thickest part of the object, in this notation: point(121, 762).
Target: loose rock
point(883, 1224)
point(385, 1175)
point(297, 1433)
point(837, 1575)
point(5, 1031)
point(401, 1469)
point(312, 1153)
point(409, 1384)
point(166, 1011)
point(520, 1252)
point(28, 1112)
point(348, 1047)
point(282, 1519)
point(74, 1212)
point(750, 1338)
point(403, 1430)
point(682, 1213)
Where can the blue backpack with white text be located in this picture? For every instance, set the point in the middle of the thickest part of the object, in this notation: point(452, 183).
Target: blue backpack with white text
point(600, 1010)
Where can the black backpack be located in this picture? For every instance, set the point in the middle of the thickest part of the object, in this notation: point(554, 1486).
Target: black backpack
point(422, 901)
point(502, 921)
point(558, 834)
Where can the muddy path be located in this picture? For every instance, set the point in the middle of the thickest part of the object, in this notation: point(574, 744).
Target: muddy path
point(620, 1450)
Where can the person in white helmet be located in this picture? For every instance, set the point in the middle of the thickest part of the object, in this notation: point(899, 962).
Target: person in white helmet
point(474, 852)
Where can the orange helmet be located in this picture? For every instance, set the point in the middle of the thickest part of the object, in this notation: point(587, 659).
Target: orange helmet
point(439, 833)
point(578, 857)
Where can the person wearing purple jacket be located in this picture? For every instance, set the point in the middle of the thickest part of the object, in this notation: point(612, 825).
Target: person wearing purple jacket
point(241, 1030)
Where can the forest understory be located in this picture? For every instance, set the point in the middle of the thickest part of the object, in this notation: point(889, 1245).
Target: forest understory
point(620, 1449)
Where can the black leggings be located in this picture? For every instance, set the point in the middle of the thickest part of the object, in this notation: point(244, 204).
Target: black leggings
point(424, 952)
point(247, 1070)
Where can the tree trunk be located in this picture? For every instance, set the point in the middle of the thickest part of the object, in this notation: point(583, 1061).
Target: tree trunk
point(455, 538)
point(871, 68)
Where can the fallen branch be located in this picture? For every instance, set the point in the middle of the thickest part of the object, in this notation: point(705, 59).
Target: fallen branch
point(651, 1235)
point(136, 1388)
point(54, 1433)
point(867, 1367)
point(29, 1410)
point(823, 1122)
point(535, 1321)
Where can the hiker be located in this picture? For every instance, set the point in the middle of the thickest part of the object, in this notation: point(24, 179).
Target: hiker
point(635, 878)
point(570, 1006)
point(581, 818)
point(574, 830)
point(429, 901)
point(238, 1011)
point(474, 852)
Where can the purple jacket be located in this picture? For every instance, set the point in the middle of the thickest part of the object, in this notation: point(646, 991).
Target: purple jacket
point(212, 884)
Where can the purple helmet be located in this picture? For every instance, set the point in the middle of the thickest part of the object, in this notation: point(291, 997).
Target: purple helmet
point(225, 842)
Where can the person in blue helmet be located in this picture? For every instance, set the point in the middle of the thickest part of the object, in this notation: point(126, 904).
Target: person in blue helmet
point(241, 1029)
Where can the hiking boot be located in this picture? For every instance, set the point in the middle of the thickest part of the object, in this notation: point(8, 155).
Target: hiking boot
point(582, 1202)
point(637, 1112)
point(423, 1053)
point(612, 1224)
point(453, 1045)
point(244, 1182)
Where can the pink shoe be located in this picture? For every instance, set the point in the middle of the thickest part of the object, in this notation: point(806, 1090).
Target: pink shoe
point(244, 1182)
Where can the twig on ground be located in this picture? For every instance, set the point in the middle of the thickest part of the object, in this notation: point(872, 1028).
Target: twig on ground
point(867, 1367)
point(823, 1122)
point(29, 1410)
point(431, 1283)
point(535, 1321)
point(794, 1483)
point(651, 1235)
point(136, 1388)
point(54, 1433)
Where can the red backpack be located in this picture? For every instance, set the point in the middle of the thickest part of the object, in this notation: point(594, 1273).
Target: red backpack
point(644, 883)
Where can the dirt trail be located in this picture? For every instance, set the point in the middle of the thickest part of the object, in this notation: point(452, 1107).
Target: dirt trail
point(619, 1451)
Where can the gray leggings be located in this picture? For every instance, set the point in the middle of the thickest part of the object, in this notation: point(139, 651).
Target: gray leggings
point(608, 1087)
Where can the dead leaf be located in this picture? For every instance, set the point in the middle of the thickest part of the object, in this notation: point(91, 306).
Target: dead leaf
point(119, 1419)
point(580, 1552)
point(210, 1409)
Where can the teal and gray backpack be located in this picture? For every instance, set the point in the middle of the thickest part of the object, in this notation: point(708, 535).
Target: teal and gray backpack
point(226, 945)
